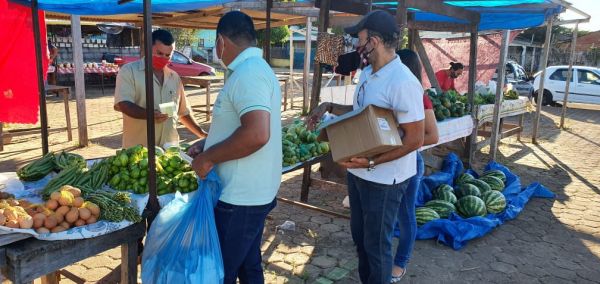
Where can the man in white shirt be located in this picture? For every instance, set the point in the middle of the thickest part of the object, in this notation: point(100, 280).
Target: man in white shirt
point(376, 184)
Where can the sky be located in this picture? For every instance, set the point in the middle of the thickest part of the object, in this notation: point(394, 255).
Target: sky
point(591, 8)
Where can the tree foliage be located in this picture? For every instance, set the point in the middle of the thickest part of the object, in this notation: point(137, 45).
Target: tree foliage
point(184, 37)
point(279, 35)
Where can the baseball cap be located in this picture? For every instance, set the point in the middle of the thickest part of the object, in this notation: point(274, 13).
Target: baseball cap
point(378, 21)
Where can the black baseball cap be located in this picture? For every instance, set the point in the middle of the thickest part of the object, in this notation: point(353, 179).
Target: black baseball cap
point(378, 21)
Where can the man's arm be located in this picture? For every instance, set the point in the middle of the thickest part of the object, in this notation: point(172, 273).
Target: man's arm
point(413, 140)
point(252, 135)
point(189, 122)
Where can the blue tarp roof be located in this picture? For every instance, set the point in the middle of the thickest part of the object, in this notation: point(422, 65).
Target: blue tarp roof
point(495, 14)
point(110, 7)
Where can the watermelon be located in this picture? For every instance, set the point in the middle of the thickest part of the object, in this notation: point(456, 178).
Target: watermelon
point(494, 182)
point(495, 173)
point(467, 189)
point(463, 178)
point(443, 187)
point(446, 196)
point(471, 206)
point(495, 202)
point(481, 185)
point(425, 215)
point(443, 208)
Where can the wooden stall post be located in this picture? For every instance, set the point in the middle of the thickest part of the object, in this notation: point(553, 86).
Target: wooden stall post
point(540, 93)
point(267, 43)
point(291, 77)
point(427, 64)
point(569, 77)
point(37, 40)
point(401, 18)
point(307, 48)
point(318, 72)
point(471, 140)
point(499, 92)
point(152, 205)
point(79, 80)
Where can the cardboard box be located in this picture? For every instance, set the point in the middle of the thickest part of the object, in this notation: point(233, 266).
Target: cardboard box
point(365, 132)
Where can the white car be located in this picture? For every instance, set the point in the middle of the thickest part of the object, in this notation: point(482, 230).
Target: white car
point(584, 87)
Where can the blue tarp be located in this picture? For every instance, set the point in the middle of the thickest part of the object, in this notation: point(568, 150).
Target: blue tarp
point(456, 231)
point(495, 14)
point(110, 7)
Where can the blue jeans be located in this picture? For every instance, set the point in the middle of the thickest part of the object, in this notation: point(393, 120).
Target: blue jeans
point(373, 214)
point(407, 221)
point(240, 230)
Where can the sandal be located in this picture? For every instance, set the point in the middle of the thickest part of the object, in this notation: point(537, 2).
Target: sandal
point(396, 279)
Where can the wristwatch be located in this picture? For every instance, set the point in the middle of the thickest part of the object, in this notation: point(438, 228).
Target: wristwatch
point(371, 165)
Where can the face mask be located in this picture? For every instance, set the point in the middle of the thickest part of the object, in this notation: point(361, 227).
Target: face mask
point(159, 62)
point(364, 54)
point(218, 58)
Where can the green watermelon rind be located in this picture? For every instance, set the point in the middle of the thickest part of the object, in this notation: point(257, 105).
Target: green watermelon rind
point(443, 187)
point(495, 173)
point(463, 178)
point(448, 196)
point(481, 185)
point(443, 208)
point(495, 202)
point(494, 182)
point(466, 190)
point(425, 215)
point(471, 206)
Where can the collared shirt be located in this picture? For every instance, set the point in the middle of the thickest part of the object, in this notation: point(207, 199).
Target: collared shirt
point(131, 87)
point(250, 85)
point(392, 87)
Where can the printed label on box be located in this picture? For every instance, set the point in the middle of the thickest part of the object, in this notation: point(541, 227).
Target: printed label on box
point(383, 124)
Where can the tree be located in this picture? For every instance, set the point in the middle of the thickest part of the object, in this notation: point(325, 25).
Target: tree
point(184, 37)
point(279, 35)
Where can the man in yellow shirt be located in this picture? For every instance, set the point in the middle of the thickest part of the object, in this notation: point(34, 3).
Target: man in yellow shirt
point(130, 97)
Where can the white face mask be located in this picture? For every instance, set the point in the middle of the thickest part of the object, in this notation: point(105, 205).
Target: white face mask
point(218, 58)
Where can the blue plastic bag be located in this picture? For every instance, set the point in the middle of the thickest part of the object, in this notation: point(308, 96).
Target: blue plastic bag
point(182, 245)
point(457, 231)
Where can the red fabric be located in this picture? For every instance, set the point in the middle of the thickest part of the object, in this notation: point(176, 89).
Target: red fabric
point(443, 51)
point(19, 95)
point(446, 82)
point(427, 102)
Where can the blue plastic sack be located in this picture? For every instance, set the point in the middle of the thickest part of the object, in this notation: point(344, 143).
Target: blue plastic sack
point(456, 231)
point(182, 245)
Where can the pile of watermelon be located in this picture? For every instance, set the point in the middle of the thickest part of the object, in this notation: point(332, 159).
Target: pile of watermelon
point(447, 104)
point(469, 198)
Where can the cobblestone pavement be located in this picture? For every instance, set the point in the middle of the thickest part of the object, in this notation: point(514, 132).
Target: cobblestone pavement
point(552, 241)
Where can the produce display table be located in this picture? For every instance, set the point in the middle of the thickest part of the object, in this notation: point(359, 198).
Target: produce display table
point(452, 129)
point(95, 68)
point(484, 118)
point(306, 183)
point(28, 259)
point(204, 82)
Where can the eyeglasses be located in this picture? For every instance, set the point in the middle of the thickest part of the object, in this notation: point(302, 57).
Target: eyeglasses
point(361, 92)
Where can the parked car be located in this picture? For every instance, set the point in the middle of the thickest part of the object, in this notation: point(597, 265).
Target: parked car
point(183, 65)
point(584, 87)
point(515, 75)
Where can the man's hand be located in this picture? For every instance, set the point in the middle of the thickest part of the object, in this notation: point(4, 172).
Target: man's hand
point(202, 165)
point(196, 148)
point(356, 163)
point(315, 115)
point(160, 117)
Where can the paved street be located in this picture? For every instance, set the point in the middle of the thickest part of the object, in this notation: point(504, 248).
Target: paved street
point(552, 241)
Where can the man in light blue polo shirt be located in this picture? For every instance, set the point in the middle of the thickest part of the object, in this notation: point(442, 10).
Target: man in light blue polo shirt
point(244, 142)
